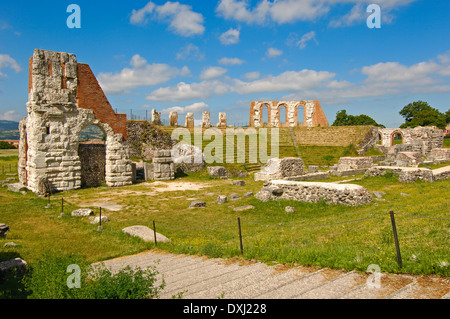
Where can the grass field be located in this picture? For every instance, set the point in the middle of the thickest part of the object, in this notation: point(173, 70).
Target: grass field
point(315, 234)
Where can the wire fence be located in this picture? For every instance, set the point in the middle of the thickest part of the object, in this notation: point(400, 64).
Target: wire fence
point(240, 223)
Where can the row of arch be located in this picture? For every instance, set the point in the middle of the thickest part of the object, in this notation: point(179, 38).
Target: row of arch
point(395, 137)
point(282, 116)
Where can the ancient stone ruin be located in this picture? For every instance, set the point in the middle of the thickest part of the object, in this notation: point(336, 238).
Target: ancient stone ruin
point(64, 98)
point(297, 113)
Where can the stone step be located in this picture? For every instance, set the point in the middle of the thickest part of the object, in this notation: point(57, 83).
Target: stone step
point(267, 282)
point(422, 288)
point(332, 288)
point(191, 280)
point(246, 275)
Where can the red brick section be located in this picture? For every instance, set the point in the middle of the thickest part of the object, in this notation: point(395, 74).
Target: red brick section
point(91, 96)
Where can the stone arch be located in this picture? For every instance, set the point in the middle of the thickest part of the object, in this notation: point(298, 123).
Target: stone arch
point(380, 139)
point(283, 122)
point(396, 132)
point(261, 112)
point(300, 114)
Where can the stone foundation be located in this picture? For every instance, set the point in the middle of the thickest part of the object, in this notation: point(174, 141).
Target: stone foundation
point(280, 168)
point(162, 167)
point(313, 192)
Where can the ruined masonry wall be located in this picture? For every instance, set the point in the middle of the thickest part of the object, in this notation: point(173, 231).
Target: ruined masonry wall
point(61, 103)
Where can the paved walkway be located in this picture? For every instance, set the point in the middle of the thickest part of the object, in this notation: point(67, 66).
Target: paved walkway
point(211, 278)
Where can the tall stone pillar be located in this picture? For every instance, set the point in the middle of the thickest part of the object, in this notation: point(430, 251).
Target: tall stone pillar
point(206, 123)
point(189, 120)
point(222, 120)
point(173, 118)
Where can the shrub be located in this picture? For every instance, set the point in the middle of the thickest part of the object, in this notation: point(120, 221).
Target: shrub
point(6, 146)
point(48, 279)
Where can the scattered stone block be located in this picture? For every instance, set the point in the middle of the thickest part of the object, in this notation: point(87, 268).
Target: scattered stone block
point(9, 265)
point(217, 171)
point(3, 230)
point(82, 212)
point(248, 194)
point(313, 192)
point(234, 196)
point(221, 199)
point(96, 220)
point(280, 168)
point(378, 194)
point(197, 203)
point(289, 209)
point(238, 183)
point(145, 233)
point(17, 187)
point(242, 208)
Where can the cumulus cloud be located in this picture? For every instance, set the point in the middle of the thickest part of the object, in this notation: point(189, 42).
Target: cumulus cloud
point(182, 20)
point(190, 52)
point(185, 91)
point(140, 74)
point(212, 72)
point(272, 52)
point(231, 61)
point(7, 61)
point(11, 116)
point(230, 37)
point(195, 107)
point(288, 11)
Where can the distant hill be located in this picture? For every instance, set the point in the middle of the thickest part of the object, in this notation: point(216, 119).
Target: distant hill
point(8, 125)
point(9, 130)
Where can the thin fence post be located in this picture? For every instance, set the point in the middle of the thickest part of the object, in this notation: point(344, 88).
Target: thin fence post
point(62, 205)
point(240, 235)
point(154, 233)
point(397, 246)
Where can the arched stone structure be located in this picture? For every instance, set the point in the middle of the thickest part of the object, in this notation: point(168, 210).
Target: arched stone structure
point(64, 97)
point(313, 114)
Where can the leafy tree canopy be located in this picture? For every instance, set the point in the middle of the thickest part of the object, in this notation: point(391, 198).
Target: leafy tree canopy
point(420, 113)
point(344, 119)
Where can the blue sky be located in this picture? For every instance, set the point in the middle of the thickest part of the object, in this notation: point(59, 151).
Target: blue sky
point(220, 55)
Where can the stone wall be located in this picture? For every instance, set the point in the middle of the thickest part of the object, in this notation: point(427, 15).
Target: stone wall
point(279, 168)
point(313, 192)
point(93, 163)
point(162, 167)
point(64, 98)
point(310, 111)
point(144, 139)
point(418, 139)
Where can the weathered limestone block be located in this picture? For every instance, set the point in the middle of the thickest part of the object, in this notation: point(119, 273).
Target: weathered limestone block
point(409, 158)
point(145, 233)
point(189, 120)
point(348, 163)
point(173, 118)
point(405, 174)
point(3, 230)
point(440, 154)
point(217, 171)
point(279, 168)
point(206, 122)
point(156, 117)
point(441, 173)
point(222, 120)
point(345, 194)
point(162, 168)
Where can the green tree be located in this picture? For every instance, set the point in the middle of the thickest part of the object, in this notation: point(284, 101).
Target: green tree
point(420, 113)
point(344, 119)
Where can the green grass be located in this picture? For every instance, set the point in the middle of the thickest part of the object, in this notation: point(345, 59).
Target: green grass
point(316, 234)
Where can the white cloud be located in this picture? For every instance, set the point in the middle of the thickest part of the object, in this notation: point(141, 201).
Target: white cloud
point(11, 116)
point(7, 61)
point(195, 107)
point(141, 74)
point(185, 91)
point(285, 82)
point(305, 38)
point(212, 72)
point(252, 75)
point(356, 15)
point(288, 11)
point(231, 61)
point(230, 37)
point(272, 52)
point(190, 52)
point(182, 20)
